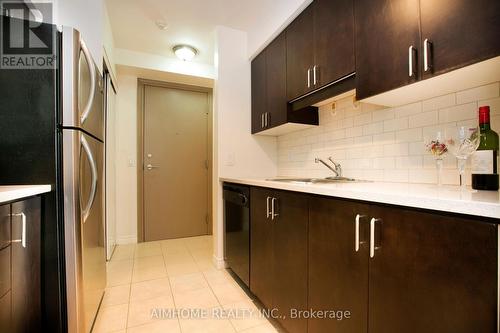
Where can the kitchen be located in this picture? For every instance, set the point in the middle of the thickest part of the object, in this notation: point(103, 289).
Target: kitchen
point(342, 172)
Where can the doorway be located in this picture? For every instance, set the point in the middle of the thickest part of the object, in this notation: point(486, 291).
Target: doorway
point(175, 158)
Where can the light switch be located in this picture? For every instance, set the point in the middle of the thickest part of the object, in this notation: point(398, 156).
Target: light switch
point(131, 163)
point(230, 159)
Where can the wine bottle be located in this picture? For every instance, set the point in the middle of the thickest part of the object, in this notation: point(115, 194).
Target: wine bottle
point(485, 159)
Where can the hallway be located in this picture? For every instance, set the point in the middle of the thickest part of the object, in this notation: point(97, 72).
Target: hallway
point(173, 274)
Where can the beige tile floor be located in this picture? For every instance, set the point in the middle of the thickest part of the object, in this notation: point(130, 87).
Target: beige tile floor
point(172, 274)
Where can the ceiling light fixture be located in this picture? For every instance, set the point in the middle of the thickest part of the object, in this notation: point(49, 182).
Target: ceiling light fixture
point(162, 25)
point(184, 52)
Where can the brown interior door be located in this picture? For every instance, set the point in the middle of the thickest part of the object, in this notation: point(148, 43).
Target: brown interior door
point(432, 273)
point(261, 247)
point(459, 32)
point(333, 39)
point(175, 163)
point(385, 30)
point(338, 270)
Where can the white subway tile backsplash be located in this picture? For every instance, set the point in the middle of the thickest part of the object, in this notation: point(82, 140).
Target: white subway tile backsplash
point(384, 144)
point(459, 112)
point(423, 119)
point(478, 93)
point(439, 102)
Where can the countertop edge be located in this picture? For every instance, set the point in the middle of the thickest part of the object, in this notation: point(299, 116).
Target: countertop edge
point(447, 205)
point(10, 193)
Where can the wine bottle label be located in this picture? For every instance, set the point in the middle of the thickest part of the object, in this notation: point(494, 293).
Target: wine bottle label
point(482, 162)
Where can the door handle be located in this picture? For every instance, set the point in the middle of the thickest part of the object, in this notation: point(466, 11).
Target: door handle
point(309, 78)
point(356, 232)
point(23, 232)
point(86, 110)
point(273, 209)
point(315, 81)
point(372, 237)
point(427, 50)
point(268, 213)
point(93, 170)
point(410, 60)
point(151, 167)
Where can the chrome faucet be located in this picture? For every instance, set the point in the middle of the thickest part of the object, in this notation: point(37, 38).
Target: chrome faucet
point(337, 169)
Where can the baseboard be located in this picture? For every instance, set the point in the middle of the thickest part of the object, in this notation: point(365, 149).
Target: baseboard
point(126, 240)
point(219, 263)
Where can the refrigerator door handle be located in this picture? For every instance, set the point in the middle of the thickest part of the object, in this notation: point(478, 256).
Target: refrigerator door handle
point(86, 110)
point(93, 169)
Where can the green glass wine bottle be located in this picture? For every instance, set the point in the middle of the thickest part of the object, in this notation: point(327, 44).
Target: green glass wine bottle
point(485, 159)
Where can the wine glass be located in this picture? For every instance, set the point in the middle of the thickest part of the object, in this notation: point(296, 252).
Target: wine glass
point(462, 141)
point(436, 145)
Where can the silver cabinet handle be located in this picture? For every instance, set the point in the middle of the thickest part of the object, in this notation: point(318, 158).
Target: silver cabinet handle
point(267, 119)
point(268, 213)
point(427, 45)
point(356, 232)
point(23, 232)
point(273, 209)
point(262, 120)
point(309, 78)
point(315, 81)
point(86, 110)
point(410, 60)
point(93, 170)
point(372, 237)
point(151, 167)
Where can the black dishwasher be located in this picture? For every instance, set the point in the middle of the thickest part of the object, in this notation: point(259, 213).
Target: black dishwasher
point(237, 230)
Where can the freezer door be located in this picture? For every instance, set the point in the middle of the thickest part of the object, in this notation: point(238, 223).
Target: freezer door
point(83, 228)
point(82, 86)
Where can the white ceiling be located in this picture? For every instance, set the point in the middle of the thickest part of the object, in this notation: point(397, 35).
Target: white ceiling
point(189, 22)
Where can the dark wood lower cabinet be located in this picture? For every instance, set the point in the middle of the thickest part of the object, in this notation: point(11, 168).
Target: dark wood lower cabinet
point(338, 271)
point(26, 270)
point(5, 314)
point(432, 273)
point(413, 271)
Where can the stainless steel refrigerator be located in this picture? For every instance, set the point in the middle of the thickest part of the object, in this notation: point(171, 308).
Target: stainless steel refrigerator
point(52, 132)
point(82, 176)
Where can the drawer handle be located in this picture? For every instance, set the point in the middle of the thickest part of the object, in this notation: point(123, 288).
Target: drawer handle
point(23, 232)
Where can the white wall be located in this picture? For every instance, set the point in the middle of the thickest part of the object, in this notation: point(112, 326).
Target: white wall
point(385, 144)
point(236, 153)
point(87, 17)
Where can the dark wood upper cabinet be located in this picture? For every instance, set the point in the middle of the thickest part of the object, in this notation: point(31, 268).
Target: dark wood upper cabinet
point(300, 54)
point(261, 247)
point(259, 92)
point(333, 40)
point(290, 258)
point(432, 273)
point(276, 81)
point(4, 226)
point(338, 270)
point(26, 266)
point(458, 33)
point(385, 32)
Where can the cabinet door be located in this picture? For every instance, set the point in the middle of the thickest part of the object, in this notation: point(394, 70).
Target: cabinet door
point(261, 247)
point(276, 79)
point(333, 39)
point(4, 226)
point(299, 54)
point(385, 30)
point(5, 313)
point(432, 273)
point(338, 272)
point(462, 32)
point(26, 270)
point(258, 84)
point(290, 258)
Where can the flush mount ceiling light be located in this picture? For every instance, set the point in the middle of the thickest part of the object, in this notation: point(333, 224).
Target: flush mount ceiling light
point(184, 52)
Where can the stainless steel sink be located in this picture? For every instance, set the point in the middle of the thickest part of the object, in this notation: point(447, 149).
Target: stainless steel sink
point(315, 180)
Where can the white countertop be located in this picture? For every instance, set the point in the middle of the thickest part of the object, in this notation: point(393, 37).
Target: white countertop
point(15, 192)
point(445, 198)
